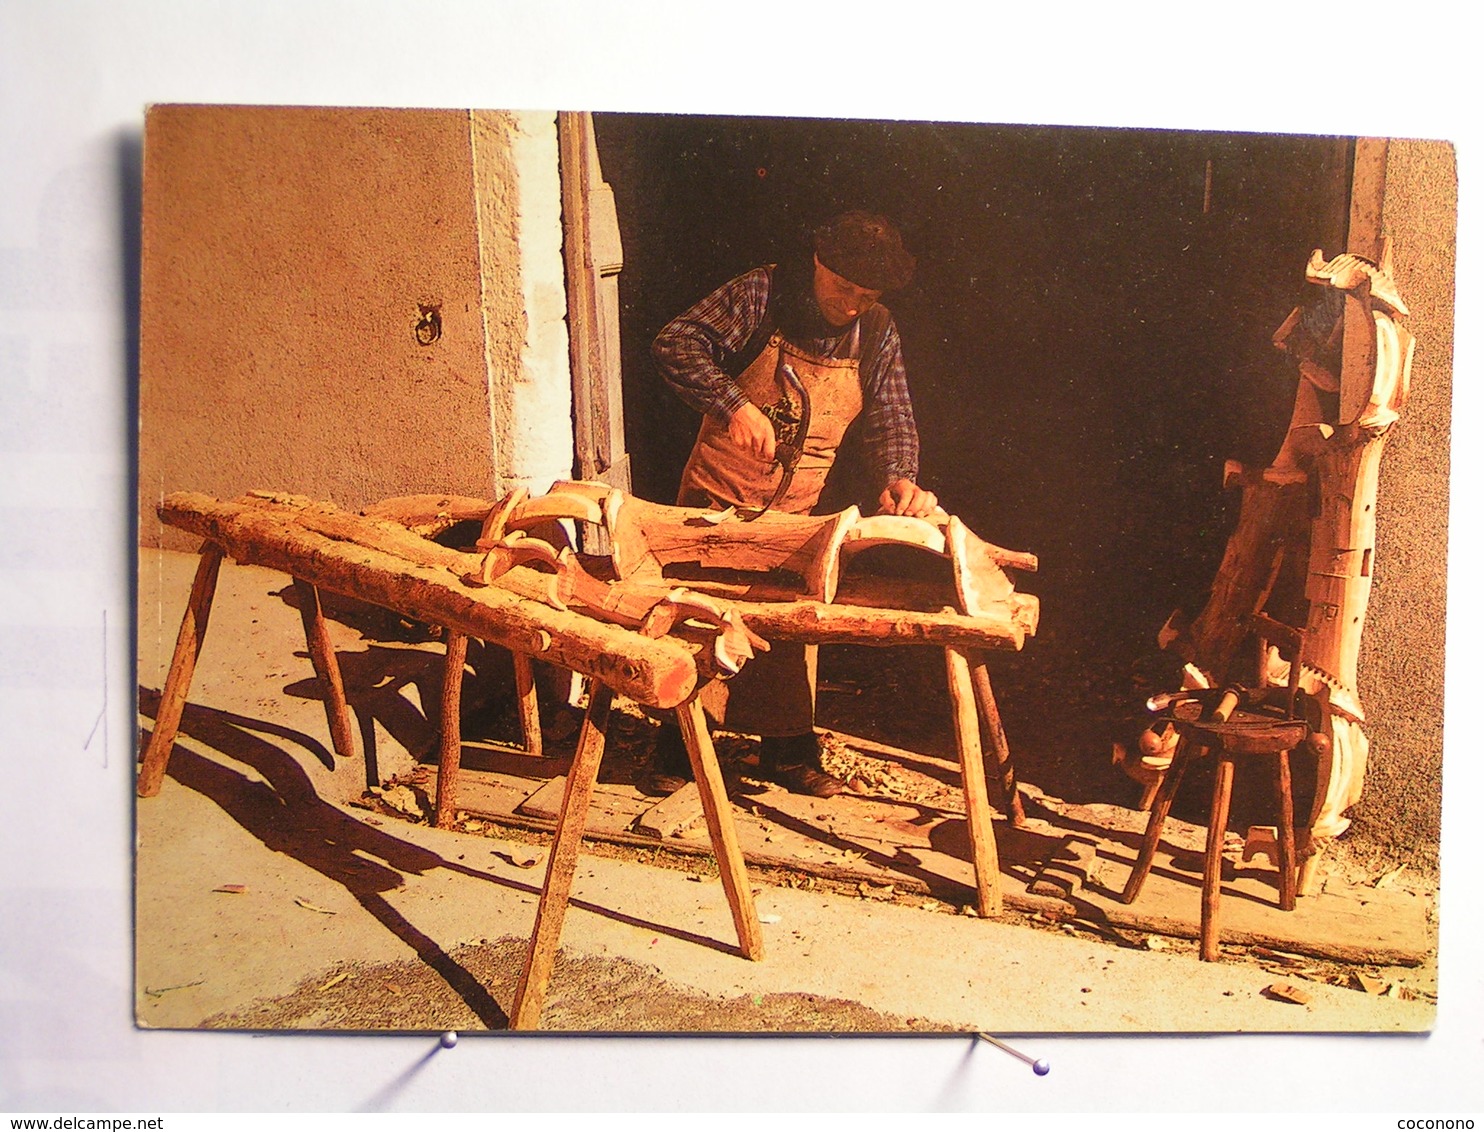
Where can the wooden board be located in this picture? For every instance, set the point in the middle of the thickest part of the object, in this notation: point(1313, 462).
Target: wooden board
point(672, 816)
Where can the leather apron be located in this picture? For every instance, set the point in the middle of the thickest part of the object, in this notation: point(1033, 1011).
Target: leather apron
point(721, 474)
point(773, 695)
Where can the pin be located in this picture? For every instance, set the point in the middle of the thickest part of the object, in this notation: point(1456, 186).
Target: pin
point(1039, 1066)
point(449, 1039)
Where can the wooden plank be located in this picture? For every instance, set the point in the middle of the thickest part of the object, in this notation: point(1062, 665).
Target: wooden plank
point(720, 825)
point(673, 815)
point(546, 802)
point(593, 252)
point(1367, 198)
point(976, 795)
point(326, 667)
point(182, 668)
point(562, 863)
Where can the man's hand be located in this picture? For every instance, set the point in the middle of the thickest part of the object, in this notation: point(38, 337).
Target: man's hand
point(903, 497)
point(752, 432)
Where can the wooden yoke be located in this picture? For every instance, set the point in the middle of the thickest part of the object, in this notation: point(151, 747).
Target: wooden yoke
point(647, 537)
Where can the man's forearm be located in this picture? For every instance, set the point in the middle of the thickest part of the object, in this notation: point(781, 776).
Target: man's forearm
point(690, 350)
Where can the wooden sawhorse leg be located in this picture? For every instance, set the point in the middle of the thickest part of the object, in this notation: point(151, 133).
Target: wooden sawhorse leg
point(326, 667)
point(976, 794)
point(989, 718)
point(721, 827)
point(450, 737)
point(182, 668)
point(525, 699)
point(562, 863)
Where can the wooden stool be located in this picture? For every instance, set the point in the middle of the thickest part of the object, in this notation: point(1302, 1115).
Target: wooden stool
point(1232, 732)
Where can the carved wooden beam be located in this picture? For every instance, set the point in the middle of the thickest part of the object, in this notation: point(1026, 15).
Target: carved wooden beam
point(396, 569)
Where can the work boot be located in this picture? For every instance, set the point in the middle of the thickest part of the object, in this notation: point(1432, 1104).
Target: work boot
point(669, 766)
point(792, 761)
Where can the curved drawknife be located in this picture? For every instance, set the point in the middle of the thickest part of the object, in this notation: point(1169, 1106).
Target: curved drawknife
point(790, 430)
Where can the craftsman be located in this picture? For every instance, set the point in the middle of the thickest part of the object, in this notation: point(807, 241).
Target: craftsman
point(745, 348)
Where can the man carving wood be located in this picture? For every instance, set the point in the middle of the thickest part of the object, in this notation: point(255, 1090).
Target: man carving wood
point(737, 356)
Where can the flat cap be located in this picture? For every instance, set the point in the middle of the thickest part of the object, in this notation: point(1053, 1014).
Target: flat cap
point(866, 249)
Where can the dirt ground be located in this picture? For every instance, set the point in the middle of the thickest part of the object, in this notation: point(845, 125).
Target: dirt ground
point(587, 994)
point(422, 939)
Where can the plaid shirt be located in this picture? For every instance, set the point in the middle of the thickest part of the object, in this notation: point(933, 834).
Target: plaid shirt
point(692, 349)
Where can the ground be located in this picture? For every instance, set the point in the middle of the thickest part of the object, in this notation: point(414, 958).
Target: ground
point(274, 891)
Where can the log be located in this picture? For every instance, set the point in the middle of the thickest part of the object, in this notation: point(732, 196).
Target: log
point(660, 673)
point(830, 624)
point(429, 515)
point(1270, 529)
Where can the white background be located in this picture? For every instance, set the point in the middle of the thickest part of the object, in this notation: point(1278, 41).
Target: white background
point(74, 80)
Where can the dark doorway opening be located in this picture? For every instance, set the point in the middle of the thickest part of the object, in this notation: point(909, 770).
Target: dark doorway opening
point(1088, 340)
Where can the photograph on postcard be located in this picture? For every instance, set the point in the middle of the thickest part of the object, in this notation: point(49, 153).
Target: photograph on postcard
point(669, 573)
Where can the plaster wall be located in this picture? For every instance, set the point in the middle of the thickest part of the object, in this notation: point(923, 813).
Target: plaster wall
point(519, 200)
point(1401, 672)
point(289, 256)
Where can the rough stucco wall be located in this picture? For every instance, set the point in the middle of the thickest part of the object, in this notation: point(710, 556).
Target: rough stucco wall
point(285, 256)
point(518, 189)
point(1401, 673)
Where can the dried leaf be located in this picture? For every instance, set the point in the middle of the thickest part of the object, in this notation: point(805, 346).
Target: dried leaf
point(340, 978)
point(1368, 983)
point(769, 918)
point(302, 903)
point(1386, 880)
point(234, 889)
point(403, 799)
